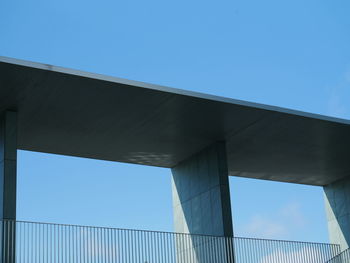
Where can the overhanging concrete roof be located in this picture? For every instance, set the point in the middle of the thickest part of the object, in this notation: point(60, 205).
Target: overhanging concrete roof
point(75, 113)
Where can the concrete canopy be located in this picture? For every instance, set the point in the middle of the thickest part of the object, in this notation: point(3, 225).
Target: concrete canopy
point(75, 113)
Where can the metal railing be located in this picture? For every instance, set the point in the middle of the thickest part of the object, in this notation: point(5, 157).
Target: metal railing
point(343, 257)
point(29, 242)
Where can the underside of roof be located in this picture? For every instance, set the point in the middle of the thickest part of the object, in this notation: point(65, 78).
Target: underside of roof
point(75, 113)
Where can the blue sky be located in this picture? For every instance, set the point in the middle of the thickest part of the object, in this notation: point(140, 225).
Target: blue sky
point(293, 54)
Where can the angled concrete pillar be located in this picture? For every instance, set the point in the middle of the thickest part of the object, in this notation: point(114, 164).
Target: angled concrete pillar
point(8, 182)
point(337, 202)
point(201, 200)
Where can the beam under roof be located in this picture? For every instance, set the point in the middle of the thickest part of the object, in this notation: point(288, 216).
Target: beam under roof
point(75, 113)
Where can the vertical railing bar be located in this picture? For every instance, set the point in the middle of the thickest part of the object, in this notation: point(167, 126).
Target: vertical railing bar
point(74, 249)
point(83, 242)
point(230, 245)
point(109, 246)
point(191, 246)
point(160, 252)
point(296, 251)
point(167, 250)
point(197, 252)
point(251, 244)
point(20, 242)
point(64, 231)
point(209, 248)
point(10, 243)
point(151, 246)
point(2, 240)
point(237, 249)
point(244, 249)
point(69, 245)
point(184, 247)
point(311, 252)
point(42, 236)
point(123, 243)
point(304, 249)
point(315, 252)
point(94, 245)
point(127, 246)
point(155, 246)
point(233, 249)
point(227, 248)
point(47, 227)
point(132, 233)
point(144, 246)
point(219, 249)
point(257, 250)
point(118, 245)
point(99, 245)
point(113, 245)
point(3, 236)
point(136, 246)
point(93, 242)
point(187, 256)
point(105, 245)
point(37, 243)
point(214, 249)
point(170, 238)
point(203, 250)
point(104, 251)
point(172, 247)
point(283, 255)
point(80, 245)
point(18, 247)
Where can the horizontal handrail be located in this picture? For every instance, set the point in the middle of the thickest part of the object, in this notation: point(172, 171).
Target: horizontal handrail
point(36, 242)
point(163, 232)
point(343, 257)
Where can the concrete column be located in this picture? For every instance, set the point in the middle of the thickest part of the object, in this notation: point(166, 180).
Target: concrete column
point(8, 182)
point(201, 197)
point(337, 202)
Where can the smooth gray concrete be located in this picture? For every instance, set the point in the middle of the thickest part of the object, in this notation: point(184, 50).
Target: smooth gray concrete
point(201, 195)
point(337, 202)
point(8, 165)
point(201, 202)
point(8, 182)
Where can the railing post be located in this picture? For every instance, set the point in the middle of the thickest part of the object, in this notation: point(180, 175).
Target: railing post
point(8, 181)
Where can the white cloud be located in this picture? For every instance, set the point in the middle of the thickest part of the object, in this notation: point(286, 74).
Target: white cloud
point(278, 225)
point(306, 254)
point(263, 227)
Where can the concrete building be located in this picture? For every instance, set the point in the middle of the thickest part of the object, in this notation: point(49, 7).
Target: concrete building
point(204, 139)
